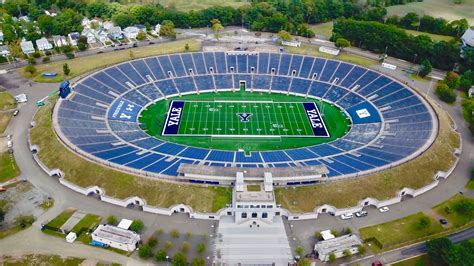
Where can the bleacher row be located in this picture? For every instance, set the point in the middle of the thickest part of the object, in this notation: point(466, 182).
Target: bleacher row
point(405, 126)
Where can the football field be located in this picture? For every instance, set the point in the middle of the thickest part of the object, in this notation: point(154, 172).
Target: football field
point(244, 119)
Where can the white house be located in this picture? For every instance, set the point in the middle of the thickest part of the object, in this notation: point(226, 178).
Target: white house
point(131, 32)
point(86, 23)
point(59, 41)
point(43, 44)
point(90, 34)
point(115, 33)
point(470, 93)
point(27, 47)
point(4, 51)
point(1, 36)
point(116, 237)
point(107, 25)
point(337, 246)
point(102, 36)
point(73, 38)
point(468, 38)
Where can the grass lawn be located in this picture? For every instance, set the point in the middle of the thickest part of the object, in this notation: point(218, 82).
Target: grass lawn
point(470, 184)
point(11, 231)
point(434, 37)
point(187, 5)
point(86, 64)
point(154, 117)
point(454, 218)
point(416, 173)
point(313, 50)
point(8, 167)
point(401, 230)
point(437, 8)
point(61, 218)
point(4, 120)
point(118, 184)
point(7, 101)
point(37, 259)
point(89, 222)
point(323, 29)
point(422, 260)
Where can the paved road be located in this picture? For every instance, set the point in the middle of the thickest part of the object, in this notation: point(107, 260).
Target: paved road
point(413, 250)
point(302, 230)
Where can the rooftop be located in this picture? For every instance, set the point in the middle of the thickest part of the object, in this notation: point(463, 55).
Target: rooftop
point(338, 244)
point(116, 234)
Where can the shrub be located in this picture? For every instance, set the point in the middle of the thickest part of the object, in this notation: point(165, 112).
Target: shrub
point(179, 259)
point(185, 246)
point(112, 220)
point(425, 68)
point(201, 248)
point(174, 233)
point(36, 54)
point(152, 241)
point(30, 69)
point(348, 230)
point(168, 245)
point(347, 253)
point(332, 257)
point(423, 223)
point(444, 93)
point(70, 55)
point(3, 59)
point(161, 255)
point(299, 250)
point(188, 235)
point(137, 225)
point(464, 207)
point(46, 59)
point(31, 60)
point(145, 252)
point(198, 262)
point(66, 69)
point(362, 250)
point(48, 53)
point(24, 220)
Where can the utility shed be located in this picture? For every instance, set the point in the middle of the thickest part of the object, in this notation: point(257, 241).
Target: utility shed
point(116, 237)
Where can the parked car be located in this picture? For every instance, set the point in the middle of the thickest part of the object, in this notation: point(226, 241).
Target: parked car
point(361, 214)
point(2, 189)
point(384, 209)
point(377, 263)
point(443, 221)
point(15, 113)
point(347, 216)
point(10, 144)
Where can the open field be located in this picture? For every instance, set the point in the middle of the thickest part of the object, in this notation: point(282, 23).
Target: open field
point(447, 210)
point(187, 5)
point(118, 184)
point(59, 220)
point(437, 8)
point(416, 173)
point(313, 50)
point(422, 260)
point(8, 167)
point(155, 115)
point(434, 37)
point(401, 230)
point(86, 64)
point(7, 101)
point(37, 260)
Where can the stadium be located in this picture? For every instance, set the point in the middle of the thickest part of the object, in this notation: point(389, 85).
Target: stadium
point(204, 117)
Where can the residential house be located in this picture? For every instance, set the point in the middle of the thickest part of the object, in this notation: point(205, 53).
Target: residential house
point(157, 29)
point(107, 25)
point(27, 47)
point(43, 44)
point(24, 18)
point(90, 35)
point(86, 23)
point(1, 36)
point(73, 38)
point(470, 93)
point(4, 51)
point(59, 41)
point(102, 36)
point(115, 33)
point(468, 38)
point(131, 32)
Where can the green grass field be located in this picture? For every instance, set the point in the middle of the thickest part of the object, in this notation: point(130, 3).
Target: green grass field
point(8, 167)
point(278, 121)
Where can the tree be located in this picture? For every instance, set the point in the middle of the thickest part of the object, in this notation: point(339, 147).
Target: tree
point(30, 69)
point(423, 223)
point(425, 68)
point(152, 241)
point(437, 248)
point(452, 80)
point(66, 69)
point(136, 226)
point(198, 262)
point(112, 220)
point(161, 255)
point(444, 93)
point(217, 28)
point(342, 43)
point(362, 250)
point(131, 54)
point(304, 262)
point(201, 248)
point(464, 207)
point(46, 24)
point(167, 28)
point(174, 233)
point(168, 245)
point(145, 252)
point(186, 47)
point(347, 253)
point(141, 36)
point(284, 35)
point(82, 43)
point(299, 250)
point(332, 257)
point(185, 246)
point(179, 259)
point(124, 19)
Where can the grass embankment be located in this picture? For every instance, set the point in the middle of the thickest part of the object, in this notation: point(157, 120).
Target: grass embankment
point(408, 230)
point(422, 260)
point(187, 5)
point(86, 64)
point(153, 117)
point(8, 167)
point(62, 218)
point(89, 222)
point(343, 56)
point(38, 259)
point(7, 102)
point(416, 173)
point(118, 184)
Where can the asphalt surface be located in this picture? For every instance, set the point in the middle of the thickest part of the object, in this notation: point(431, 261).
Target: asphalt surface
point(302, 231)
